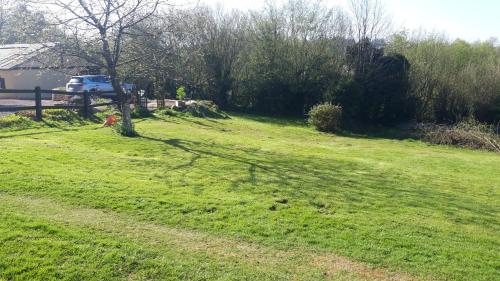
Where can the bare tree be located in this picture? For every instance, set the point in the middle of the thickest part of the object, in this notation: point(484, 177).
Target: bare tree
point(95, 32)
point(151, 52)
point(370, 22)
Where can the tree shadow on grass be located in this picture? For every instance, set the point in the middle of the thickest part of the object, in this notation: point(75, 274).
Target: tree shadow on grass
point(358, 131)
point(215, 125)
point(353, 183)
point(28, 134)
point(51, 128)
point(70, 121)
point(275, 120)
point(378, 133)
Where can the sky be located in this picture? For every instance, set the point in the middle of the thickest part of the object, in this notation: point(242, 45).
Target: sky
point(470, 20)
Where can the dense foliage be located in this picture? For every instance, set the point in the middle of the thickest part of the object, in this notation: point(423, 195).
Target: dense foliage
point(452, 81)
point(284, 59)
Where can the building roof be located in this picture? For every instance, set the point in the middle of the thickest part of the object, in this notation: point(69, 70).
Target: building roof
point(15, 55)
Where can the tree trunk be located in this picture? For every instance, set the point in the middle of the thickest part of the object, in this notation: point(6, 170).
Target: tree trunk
point(127, 128)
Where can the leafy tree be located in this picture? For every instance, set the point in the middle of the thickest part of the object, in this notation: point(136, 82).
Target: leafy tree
point(379, 89)
point(181, 93)
point(452, 81)
point(284, 59)
point(387, 97)
point(22, 23)
point(294, 58)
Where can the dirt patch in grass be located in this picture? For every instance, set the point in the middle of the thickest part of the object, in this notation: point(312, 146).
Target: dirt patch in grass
point(333, 264)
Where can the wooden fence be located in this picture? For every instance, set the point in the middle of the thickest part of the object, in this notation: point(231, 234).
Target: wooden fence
point(86, 106)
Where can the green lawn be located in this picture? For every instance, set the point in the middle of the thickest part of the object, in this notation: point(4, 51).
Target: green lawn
point(246, 198)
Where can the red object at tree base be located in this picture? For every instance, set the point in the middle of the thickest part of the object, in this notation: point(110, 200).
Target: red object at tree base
point(110, 121)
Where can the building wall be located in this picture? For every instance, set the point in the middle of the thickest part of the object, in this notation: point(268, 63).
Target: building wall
point(46, 79)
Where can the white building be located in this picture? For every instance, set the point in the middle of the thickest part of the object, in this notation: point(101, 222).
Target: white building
point(26, 66)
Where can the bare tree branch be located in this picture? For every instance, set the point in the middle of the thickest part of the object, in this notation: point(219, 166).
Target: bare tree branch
point(95, 31)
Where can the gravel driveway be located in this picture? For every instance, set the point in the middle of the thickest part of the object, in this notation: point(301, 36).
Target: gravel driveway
point(11, 102)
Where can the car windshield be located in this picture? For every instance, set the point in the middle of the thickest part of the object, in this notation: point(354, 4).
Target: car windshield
point(76, 80)
point(99, 79)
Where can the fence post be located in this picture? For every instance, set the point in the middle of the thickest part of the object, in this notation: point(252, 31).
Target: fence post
point(38, 104)
point(86, 104)
point(144, 101)
point(160, 102)
point(137, 98)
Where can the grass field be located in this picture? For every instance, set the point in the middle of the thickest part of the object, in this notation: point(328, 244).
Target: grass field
point(246, 198)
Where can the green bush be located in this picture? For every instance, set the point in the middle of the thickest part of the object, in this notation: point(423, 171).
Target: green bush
point(326, 117)
point(181, 93)
point(140, 112)
point(168, 112)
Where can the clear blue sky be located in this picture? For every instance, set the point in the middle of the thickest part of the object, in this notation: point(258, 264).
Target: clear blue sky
point(468, 19)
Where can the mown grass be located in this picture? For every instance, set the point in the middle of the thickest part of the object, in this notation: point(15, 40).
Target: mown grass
point(412, 209)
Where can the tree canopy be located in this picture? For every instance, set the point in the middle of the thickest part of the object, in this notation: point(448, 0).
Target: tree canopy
point(286, 58)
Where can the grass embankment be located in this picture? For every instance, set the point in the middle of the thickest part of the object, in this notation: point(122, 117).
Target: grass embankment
point(243, 198)
point(51, 118)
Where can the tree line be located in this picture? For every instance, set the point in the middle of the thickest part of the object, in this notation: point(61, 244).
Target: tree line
point(285, 58)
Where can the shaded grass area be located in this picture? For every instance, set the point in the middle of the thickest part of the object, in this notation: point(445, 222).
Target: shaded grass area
point(431, 211)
